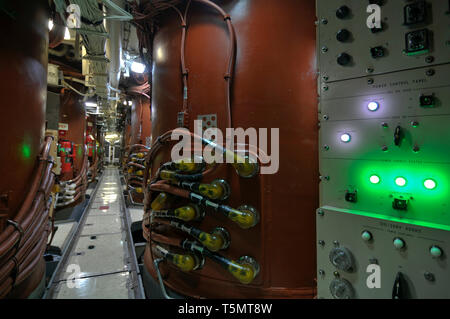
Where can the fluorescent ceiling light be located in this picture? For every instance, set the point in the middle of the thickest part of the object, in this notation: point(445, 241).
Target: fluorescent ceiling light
point(50, 25)
point(137, 67)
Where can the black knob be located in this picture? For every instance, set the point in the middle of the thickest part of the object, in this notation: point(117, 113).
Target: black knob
point(343, 35)
point(342, 12)
point(344, 59)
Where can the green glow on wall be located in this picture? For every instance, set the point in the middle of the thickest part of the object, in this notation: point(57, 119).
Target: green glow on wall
point(26, 150)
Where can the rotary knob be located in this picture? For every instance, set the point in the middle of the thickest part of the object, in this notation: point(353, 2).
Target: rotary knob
point(344, 59)
point(343, 35)
point(341, 289)
point(343, 12)
point(342, 259)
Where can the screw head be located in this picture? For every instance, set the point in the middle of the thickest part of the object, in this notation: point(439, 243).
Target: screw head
point(384, 148)
point(324, 49)
point(416, 148)
point(326, 147)
point(320, 212)
point(430, 72)
point(321, 243)
point(321, 272)
point(384, 124)
point(326, 117)
point(324, 21)
point(414, 123)
point(370, 81)
point(429, 276)
point(429, 59)
point(370, 70)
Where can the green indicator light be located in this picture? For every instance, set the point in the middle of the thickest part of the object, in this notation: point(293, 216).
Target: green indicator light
point(429, 184)
point(26, 150)
point(374, 179)
point(400, 181)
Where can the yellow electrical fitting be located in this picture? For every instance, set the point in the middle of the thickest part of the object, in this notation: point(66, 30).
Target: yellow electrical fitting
point(187, 166)
point(245, 269)
point(245, 216)
point(130, 170)
point(217, 240)
point(168, 175)
point(140, 155)
point(242, 164)
point(140, 173)
point(160, 201)
point(217, 190)
point(188, 213)
point(139, 190)
point(184, 262)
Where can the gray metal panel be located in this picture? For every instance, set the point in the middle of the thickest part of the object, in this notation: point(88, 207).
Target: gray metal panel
point(52, 110)
point(346, 227)
point(392, 38)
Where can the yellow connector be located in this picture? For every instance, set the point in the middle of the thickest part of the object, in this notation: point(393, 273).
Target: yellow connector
point(130, 171)
point(217, 240)
point(188, 213)
point(184, 262)
point(139, 190)
point(245, 269)
point(140, 173)
point(217, 190)
point(160, 202)
point(140, 155)
point(187, 166)
point(245, 216)
point(168, 175)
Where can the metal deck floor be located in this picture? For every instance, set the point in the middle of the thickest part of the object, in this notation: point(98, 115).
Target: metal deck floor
point(100, 264)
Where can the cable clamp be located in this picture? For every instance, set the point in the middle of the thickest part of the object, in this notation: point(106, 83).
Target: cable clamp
point(19, 229)
point(227, 17)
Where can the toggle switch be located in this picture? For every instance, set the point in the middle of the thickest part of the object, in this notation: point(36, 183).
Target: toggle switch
point(398, 135)
point(400, 289)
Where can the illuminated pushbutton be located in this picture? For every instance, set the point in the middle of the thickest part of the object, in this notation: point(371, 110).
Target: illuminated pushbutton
point(366, 236)
point(436, 251)
point(399, 243)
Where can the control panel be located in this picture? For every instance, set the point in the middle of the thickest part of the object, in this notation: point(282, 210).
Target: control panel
point(384, 116)
point(371, 257)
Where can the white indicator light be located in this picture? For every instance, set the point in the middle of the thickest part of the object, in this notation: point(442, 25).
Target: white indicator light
point(346, 138)
point(374, 179)
point(373, 106)
point(400, 181)
point(429, 184)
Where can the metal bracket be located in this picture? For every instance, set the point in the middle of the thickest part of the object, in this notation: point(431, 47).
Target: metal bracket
point(156, 262)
